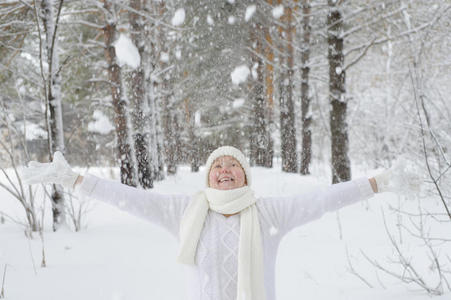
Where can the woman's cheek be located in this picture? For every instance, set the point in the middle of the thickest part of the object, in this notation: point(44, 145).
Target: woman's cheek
point(212, 178)
point(240, 177)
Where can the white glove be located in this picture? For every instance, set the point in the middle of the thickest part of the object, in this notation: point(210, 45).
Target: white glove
point(58, 172)
point(385, 182)
point(403, 177)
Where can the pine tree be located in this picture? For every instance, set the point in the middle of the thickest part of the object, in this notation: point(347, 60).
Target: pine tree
point(141, 119)
point(306, 118)
point(287, 128)
point(120, 102)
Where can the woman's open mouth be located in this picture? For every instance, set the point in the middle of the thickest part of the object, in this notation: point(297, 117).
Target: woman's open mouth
point(226, 179)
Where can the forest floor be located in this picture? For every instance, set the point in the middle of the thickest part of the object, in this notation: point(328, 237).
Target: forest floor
point(119, 257)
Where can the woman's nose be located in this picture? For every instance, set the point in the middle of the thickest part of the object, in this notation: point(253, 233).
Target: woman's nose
point(225, 169)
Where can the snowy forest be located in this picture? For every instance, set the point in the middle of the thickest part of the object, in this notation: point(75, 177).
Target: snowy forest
point(146, 89)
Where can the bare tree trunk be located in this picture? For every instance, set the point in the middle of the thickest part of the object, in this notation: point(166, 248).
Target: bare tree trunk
point(120, 104)
point(269, 95)
point(170, 109)
point(166, 124)
point(155, 132)
point(193, 144)
point(140, 108)
point(306, 154)
point(160, 96)
point(194, 152)
point(172, 135)
point(341, 168)
point(149, 59)
point(177, 129)
point(55, 114)
point(157, 139)
point(260, 138)
point(287, 128)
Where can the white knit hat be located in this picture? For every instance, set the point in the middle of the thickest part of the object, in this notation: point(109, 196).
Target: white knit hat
point(229, 151)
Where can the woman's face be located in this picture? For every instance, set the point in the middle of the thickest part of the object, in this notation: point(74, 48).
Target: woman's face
point(226, 173)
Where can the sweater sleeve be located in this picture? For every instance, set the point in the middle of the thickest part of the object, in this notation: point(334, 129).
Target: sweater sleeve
point(163, 210)
point(286, 213)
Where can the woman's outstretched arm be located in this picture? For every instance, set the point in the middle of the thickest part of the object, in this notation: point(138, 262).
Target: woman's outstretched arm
point(161, 209)
point(288, 212)
point(164, 210)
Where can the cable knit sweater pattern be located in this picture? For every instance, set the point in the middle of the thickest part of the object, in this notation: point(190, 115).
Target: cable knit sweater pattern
point(214, 277)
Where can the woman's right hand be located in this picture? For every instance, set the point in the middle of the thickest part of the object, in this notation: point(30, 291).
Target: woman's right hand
point(58, 172)
point(404, 177)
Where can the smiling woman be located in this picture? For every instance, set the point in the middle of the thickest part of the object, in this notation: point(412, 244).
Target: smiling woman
point(232, 257)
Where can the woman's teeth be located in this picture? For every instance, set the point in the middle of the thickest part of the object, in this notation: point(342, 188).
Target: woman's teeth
point(225, 180)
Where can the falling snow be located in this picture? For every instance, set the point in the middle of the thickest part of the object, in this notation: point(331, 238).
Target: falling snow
point(126, 52)
point(277, 11)
point(250, 10)
point(240, 74)
point(179, 17)
point(197, 116)
point(210, 20)
point(164, 57)
point(33, 131)
point(101, 123)
point(238, 102)
point(189, 51)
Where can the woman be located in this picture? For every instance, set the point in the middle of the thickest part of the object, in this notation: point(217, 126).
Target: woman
point(229, 237)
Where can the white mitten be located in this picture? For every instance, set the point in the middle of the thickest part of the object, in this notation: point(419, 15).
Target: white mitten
point(58, 172)
point(385, 182)
point(403, 177)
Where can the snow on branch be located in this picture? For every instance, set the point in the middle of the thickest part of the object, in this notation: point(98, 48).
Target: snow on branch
point(409, 272)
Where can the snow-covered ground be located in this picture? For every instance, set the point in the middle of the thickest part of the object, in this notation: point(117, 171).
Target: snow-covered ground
point(118, 256)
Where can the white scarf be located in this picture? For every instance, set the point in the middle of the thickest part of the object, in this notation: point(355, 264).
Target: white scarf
point(250, 255)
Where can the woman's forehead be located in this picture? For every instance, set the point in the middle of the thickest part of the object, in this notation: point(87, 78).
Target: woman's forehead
point(225, 158)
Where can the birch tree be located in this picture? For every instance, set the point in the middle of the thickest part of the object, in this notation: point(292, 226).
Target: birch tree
point(52, 83)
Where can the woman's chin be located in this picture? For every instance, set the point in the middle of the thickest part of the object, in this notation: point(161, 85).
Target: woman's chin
point(226, 187)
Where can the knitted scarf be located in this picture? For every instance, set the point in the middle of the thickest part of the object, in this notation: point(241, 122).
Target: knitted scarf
point(250, 254)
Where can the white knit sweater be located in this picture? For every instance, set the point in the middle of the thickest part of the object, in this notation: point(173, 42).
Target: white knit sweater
point(215, 275)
